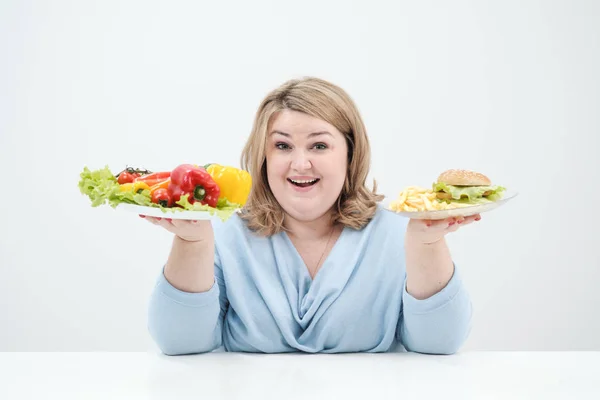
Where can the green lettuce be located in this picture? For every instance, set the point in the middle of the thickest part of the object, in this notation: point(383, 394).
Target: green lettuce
point(224, 208)
point(470, 194)
point(101, 187)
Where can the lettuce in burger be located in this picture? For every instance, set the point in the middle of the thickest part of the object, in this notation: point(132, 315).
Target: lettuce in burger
point(466, 187)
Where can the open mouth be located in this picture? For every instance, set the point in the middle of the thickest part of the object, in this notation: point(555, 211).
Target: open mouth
point(303, 183)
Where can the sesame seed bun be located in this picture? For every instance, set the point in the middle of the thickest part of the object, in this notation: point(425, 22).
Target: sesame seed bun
point(461, 177)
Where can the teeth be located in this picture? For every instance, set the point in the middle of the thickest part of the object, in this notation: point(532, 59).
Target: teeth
point(303, 181)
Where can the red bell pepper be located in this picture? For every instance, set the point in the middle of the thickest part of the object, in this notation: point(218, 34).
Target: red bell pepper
point(196, 182)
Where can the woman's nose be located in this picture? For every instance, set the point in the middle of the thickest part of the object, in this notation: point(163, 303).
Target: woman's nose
point(300, 161)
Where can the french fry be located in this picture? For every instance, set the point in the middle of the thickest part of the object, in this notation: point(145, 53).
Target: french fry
point(416, 198)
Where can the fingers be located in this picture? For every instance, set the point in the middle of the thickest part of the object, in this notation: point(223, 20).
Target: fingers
point(471, 219)
point(152, 220)
point(438, 223)
point(164, 222)
point(168, 222)
point(430, 231)
point(461, 221)
point(452, 224)
point(457, 223)
point(179, 223)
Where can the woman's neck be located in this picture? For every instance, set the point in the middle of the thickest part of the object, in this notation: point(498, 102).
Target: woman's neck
point(309, 230)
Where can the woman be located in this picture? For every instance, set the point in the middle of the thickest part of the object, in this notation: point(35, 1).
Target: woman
point(313, 263)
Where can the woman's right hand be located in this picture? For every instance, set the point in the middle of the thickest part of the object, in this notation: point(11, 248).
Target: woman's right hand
point(188, 230)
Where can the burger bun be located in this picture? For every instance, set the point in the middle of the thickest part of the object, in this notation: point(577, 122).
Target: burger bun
point(463, 177)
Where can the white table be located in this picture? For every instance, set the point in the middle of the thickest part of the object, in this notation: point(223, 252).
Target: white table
point(467, 375)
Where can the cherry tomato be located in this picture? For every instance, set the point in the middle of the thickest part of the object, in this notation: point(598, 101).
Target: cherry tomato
point(127, 177)
point(162, 197)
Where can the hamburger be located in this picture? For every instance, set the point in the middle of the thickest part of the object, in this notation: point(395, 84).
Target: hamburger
point(466, 187)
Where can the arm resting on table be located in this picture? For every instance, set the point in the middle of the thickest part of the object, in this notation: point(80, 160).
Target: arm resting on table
point(185, 323)
point(439, 324)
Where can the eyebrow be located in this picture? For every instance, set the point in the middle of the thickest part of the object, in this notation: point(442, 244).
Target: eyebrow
point(319, 133)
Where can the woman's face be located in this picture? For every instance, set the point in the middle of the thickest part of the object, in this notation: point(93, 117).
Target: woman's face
point(306, 164)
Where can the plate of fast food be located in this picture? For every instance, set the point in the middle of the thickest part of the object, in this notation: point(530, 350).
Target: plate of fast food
point(455, 193)
point(188, 191)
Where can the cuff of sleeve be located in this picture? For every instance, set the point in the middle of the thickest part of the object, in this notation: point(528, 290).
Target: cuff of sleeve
point(413, 305)
point(186, 298)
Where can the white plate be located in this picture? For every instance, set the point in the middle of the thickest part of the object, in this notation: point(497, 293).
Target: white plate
point(157, 212)
point(454, 212)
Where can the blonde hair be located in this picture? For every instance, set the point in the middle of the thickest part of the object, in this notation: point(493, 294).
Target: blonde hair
point(356, 204)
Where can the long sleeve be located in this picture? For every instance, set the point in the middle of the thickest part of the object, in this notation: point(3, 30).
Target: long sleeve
point(187, 323)
point(439, 324)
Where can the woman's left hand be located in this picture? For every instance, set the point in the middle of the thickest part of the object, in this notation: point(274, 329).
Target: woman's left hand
point(431, 231)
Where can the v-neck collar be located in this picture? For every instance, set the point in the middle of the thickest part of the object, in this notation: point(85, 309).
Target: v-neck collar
point(305, 293)
point(298, 258)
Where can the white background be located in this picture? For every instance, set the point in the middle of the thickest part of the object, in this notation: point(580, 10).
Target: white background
point(507, 88)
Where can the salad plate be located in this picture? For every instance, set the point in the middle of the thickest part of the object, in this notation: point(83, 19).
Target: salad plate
point(171, 213)
point(187, 192)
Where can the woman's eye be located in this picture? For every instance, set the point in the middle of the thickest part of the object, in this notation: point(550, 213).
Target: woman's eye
point(320, 146)
point(282, 146)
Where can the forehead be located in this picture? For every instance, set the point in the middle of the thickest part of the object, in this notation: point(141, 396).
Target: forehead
point(299, 124)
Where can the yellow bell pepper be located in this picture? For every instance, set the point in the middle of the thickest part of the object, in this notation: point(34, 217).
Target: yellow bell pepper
point(235, 184)
point(137, 187)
